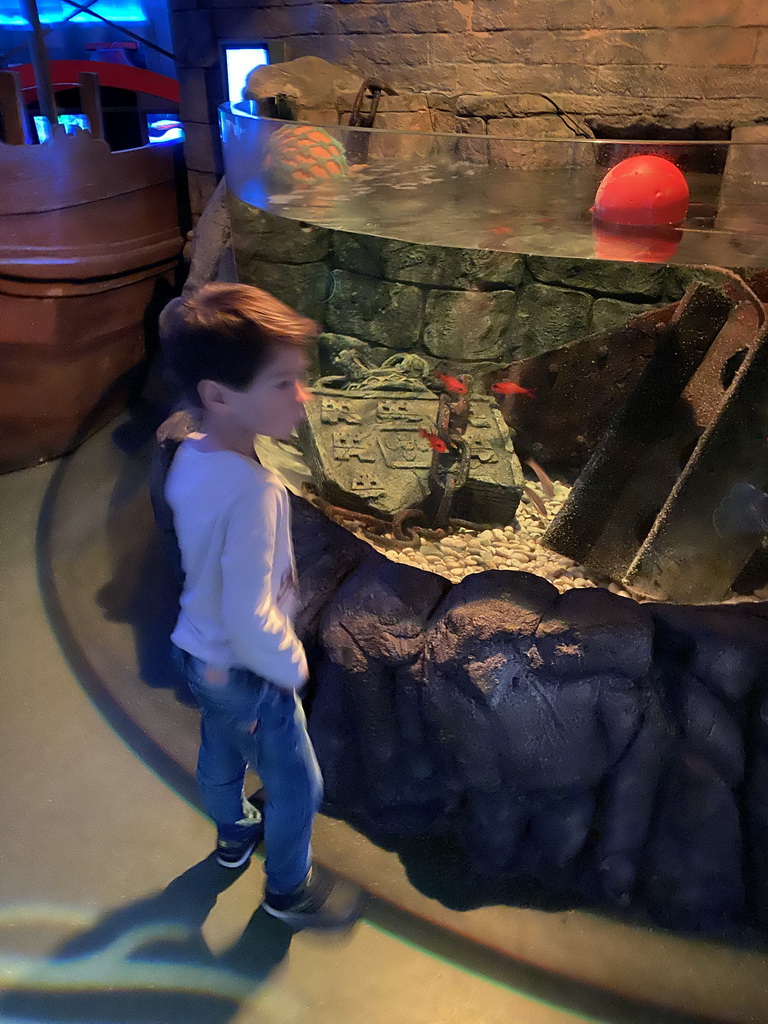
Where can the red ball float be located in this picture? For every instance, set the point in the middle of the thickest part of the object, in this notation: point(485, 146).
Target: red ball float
point(643, 191)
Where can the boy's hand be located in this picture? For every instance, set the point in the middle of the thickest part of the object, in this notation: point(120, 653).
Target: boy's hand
point(216, 676)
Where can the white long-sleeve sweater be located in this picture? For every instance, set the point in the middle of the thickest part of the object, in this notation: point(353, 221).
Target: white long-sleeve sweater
point(232, 521)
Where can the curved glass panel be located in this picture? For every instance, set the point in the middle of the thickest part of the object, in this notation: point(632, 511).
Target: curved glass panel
point(534, 196)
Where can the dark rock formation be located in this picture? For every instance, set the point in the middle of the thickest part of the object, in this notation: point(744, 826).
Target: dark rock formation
point(614, 751)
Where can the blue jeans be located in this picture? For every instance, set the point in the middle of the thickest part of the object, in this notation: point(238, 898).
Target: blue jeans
point(248, 721)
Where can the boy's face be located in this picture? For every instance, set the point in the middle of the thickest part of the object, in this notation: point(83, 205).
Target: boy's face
point(274, 403)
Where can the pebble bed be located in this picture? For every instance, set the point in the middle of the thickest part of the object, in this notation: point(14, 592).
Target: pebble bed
point(517, 547)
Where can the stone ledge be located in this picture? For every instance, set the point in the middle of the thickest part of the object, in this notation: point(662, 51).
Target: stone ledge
point(547, 317)
point(404, 296)
point(609, 313)
point(380, 312)
point(673, 112)
point(605, 277)
point(467, 324)
point(303, 286)
point(426, 264)
point(263, 236)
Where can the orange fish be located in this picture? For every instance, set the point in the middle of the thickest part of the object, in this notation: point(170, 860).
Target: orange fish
point(451, 383)
point(436, 442)
point(501, 230)
point(508, 387)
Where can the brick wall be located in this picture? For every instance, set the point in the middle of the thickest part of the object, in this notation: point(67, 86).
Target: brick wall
point(680, 59)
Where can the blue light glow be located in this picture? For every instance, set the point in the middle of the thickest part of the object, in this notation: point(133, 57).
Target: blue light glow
point(71, 123)
point(54, 11)
point(115, 10)
point(164, 128)
point(10, 12)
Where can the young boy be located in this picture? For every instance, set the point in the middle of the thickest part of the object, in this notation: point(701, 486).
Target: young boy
point(239, 356)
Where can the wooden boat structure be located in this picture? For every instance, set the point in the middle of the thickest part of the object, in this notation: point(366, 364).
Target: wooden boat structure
point(87, 239)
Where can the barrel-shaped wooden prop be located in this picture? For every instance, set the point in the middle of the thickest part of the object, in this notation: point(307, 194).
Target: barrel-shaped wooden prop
point(86, 235)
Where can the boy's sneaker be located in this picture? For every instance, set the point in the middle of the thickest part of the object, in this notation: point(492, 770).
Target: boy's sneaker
point(233, 853)
point(319, 902)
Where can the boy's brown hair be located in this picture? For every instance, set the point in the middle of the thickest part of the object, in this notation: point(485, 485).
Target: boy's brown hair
point(227, 333)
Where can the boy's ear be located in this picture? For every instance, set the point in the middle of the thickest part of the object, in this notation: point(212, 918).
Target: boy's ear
point(212, 395)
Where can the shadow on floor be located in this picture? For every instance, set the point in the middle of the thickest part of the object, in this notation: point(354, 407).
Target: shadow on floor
point(149, 962)
point(146, 584)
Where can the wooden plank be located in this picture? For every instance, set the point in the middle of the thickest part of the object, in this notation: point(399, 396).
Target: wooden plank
point(72, 170)
point(39, 55)
point(119, 235)
point(90, 102)
point(12, 114)
point(53, 395)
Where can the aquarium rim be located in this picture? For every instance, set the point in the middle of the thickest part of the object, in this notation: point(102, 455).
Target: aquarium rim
point(236, 110)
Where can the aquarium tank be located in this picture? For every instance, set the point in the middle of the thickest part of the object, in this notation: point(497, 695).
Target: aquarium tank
point(549, 351)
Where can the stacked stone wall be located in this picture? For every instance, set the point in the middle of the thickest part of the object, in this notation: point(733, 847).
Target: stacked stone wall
point(470, 308)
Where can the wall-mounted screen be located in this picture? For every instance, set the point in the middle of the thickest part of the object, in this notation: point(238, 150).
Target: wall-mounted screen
point(237, 62)
point(164, 128)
